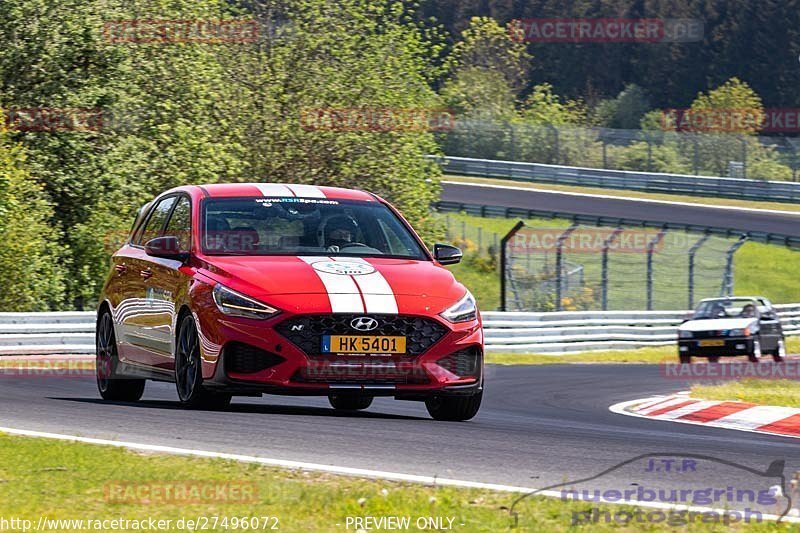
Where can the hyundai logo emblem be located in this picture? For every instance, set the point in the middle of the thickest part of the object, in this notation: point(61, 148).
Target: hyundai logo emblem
point(364, 323)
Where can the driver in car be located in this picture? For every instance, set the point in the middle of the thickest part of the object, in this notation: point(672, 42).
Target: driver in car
point(340, 232)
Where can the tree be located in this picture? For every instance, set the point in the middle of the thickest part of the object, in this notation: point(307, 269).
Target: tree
point(33, 280)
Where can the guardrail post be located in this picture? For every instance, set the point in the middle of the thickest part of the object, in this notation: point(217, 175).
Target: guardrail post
point(651, 246)
point(744, 156)
point(604, 272)
point(560, 263)
point(727, 279)
point(692, 252)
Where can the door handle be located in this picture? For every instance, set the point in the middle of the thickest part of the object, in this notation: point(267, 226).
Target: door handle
point(121, 268)
point(146, 274)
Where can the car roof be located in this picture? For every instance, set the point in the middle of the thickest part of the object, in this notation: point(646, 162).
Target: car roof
point(724, 298)
point(282, 190)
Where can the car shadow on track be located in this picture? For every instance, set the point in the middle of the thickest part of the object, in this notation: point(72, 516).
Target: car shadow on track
point(250, 408)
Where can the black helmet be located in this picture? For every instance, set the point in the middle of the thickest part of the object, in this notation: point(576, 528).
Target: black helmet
point(340, 230)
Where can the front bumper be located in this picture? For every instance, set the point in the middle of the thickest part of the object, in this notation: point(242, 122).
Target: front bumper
point(453, 365)
point(728, 347)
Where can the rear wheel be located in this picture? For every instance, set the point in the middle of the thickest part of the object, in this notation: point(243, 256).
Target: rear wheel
point(755, 355)
point(454, 408)
point(188, 371)
point(110, 386)
point(350, 402)
point(685, 359)
point(779, 355)
point(713, 359)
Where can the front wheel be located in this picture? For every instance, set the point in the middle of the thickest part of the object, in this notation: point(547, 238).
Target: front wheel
point(685, 359)
point(350, 402)
point(454, 408)
point(110, 386)
point(188, 371)
point(779, 355)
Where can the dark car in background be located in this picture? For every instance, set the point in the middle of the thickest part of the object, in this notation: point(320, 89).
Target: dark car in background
point(729, 327)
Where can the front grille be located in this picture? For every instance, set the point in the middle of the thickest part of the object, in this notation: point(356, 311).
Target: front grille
point(464, 363)
point(242, 358)
point(708, 334)
point(306, 331)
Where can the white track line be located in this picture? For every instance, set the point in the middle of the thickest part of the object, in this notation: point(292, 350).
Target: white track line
point(357, 472)
point(627, 198)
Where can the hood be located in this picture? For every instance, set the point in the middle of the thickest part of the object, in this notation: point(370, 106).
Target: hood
point(339, 284)
point(716, 324)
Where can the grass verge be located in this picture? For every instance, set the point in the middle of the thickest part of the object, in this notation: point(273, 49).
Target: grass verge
point(63, 481)
point(640, 356)
point(785, 392)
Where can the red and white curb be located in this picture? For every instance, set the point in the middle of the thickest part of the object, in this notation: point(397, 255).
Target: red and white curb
point(741, 416)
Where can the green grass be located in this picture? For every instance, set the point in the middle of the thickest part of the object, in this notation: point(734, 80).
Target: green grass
point(759, 269)
point(62, 480)
point(641, 356)
point(785, 393)
point(730, 202)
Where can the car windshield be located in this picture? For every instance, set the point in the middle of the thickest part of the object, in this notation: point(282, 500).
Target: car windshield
point(727, 308)
point(304, 226)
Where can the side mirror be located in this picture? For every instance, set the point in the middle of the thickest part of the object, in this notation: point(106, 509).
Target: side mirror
point(446, 254)
point(167, 247)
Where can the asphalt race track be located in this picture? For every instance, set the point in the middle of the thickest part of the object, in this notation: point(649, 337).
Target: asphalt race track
point(539, 425)
point(737, 219)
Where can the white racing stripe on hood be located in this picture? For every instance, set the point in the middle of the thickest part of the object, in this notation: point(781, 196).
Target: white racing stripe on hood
point(307, 191)
point(272, 189)
point(343, 293)
point(377, 293)
point(369, 293)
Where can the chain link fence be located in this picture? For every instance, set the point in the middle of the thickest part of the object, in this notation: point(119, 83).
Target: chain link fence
point(586, 267)
point(704, 154)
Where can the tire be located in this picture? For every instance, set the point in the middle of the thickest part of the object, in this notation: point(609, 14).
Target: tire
point(349, 402)
point(188, 371)
point(779, 355)
point(713, 359)
point(685, 359)
point(454, 408)
point(756, 354)
point(110, 386)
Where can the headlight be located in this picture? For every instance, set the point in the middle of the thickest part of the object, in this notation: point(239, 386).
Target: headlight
point(685, 334)
point(463, 310)
point(739, 332)
point(234, 304)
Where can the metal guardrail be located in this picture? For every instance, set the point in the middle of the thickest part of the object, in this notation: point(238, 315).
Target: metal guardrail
point(582, 331)
point(546, 333)
point(612, 222)
point(718, 187)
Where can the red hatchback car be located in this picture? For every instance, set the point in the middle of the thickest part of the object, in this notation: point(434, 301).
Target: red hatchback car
point(244, 289)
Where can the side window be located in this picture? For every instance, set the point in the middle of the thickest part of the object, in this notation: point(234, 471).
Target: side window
point(180, 224)
point(155, 223)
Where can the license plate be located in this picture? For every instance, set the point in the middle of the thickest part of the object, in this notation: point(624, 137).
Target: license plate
point(710, 343)
point(362, 344)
